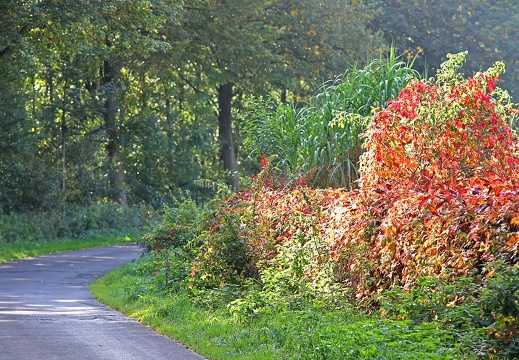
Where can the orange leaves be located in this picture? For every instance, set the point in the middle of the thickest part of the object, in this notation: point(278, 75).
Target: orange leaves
point(512, 241)
point(438, 193)
point(439, 177)
point(432, 209)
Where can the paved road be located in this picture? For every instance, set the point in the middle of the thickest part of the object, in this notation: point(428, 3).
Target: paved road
point(47, 313)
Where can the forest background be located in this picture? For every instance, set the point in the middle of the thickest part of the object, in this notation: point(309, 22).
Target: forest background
point(131, 102)
point(377, 185)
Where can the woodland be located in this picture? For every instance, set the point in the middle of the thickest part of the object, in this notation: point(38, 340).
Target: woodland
point(303, 157)
point(128, 102)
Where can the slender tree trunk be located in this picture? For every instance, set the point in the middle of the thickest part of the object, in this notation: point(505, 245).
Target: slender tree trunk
point(64, 140)
point(227, 153)
point(116, 176)
point(284, 96)
point(170, 126)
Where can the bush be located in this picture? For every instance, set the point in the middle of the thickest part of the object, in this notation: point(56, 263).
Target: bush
point(483, 311)
point(438, 189)
point(438, 195)
point(181, 223)
point(72, 222)
point(224, 252)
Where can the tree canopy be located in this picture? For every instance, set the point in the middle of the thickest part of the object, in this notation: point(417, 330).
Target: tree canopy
point(429, 29)
point(131, 101)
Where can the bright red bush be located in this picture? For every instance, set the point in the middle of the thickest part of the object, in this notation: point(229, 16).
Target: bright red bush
point(439, 188)
point(438, 194)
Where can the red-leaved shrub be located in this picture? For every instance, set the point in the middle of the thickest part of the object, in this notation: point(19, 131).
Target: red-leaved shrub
point(438, 194)
point(439, 187)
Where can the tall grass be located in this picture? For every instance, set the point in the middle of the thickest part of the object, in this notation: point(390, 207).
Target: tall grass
point(320, 139)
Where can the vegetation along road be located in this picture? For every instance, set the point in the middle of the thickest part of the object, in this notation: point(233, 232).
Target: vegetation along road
point(46, 311)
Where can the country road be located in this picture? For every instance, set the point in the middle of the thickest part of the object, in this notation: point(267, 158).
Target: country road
point(47, 312)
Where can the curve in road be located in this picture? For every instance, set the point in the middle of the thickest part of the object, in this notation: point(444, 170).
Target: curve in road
point(47, 312)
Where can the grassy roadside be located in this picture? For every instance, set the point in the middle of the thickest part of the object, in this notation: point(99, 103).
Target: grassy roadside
point(22, 249)
point(312, 333)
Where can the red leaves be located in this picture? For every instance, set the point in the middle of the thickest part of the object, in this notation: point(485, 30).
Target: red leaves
point(263, 161)
point(453, 166)
point(438, 193)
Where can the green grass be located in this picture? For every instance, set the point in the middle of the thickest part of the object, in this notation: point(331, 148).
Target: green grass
point(22, 249)
point(314, 333)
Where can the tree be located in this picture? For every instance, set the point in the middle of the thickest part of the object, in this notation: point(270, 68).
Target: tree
point(318, 41)
point(73, 56)
point(238, 46)
point(224, 42)
point(127, 35)
point(126, 101)
point(24, 184)
point(431, 29)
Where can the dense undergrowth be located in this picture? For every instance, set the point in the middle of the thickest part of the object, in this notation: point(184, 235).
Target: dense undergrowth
point(32, 234)
point(73, 222)
point(429, 236)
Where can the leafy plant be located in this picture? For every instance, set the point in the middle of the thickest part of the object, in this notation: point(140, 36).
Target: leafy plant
point(437, 194)
point(483, 311)
point(499, 304)
point(180, 224)
point(320, 140)
point(223, 253)
point(439, 184)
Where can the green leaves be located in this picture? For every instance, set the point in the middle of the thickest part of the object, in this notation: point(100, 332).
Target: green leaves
point(322, 139)
point(448, 73)
point(428, 29)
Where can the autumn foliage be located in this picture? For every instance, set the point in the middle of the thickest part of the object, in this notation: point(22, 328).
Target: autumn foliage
point(438, 194)
point(439, 187)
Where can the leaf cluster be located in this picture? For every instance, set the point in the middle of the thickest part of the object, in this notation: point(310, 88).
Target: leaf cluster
point(438, 187)
point(320, 139)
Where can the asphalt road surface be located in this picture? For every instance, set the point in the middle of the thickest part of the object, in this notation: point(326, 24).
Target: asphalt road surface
point(47, 312)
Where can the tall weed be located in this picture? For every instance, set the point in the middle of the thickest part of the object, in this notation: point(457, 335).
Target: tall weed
point(321, 138)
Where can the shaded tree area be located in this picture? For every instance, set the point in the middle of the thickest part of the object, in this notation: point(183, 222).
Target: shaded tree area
point(128, 102)
point(429, 29)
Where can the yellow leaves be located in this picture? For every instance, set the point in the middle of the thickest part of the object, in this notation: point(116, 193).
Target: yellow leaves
point(512, 241)
point(515, 220)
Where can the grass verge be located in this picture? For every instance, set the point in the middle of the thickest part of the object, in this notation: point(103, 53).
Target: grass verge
point(313, 333)
point(23, 249)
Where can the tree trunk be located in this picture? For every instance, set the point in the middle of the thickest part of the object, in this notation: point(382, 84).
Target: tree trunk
point(64, 135)
point(227, 153)
point(116, 174)
point(284, 96)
